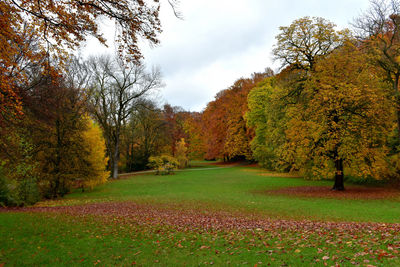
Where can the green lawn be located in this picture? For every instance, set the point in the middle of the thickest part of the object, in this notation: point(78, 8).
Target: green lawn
point(237, 189)
point(61, 238)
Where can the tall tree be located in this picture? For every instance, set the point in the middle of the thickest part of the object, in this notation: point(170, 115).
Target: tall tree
point(300, 44)
point(116, 88)
point(379, 30)
point(343, 122)
point(267, 116)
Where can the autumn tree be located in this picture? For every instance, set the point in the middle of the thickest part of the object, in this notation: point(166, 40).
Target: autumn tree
point(194, 131)
point(94, 156)
point(181, 154)
point(226, 135)
point(343, 123)
point(300, 44)
point(115, 90)
point(174, 117)
point(379, 30)
point(144, 135)
point(60, 26)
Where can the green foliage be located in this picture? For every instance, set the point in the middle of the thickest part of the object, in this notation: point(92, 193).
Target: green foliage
point(266, 115)
point(163, 164)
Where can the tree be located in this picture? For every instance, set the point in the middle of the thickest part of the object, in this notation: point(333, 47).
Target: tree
point(95, 159)
point(145, 135)
point(300, 44)
point(193, 129)
point(267, 115)
point(174, 117)
point(181, 154)
point(115, 89)
point(63, 25)
point(379, 31)
point(58, 27)
point(225, 132)
point(343, 125)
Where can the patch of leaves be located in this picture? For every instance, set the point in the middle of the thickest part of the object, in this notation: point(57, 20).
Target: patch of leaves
point(351, 192)
point(326, 243)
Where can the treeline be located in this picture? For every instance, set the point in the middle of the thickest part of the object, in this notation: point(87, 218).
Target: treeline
point(333, 109)
point(65, 122)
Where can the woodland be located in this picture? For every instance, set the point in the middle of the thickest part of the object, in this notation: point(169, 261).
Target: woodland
point(76, 134)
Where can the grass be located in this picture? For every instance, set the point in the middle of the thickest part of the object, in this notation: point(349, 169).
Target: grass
point(236, 189)
point(54, 239)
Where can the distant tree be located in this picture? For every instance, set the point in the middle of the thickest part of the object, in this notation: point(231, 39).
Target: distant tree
point(174, 118)
point(144, 135)
point(181, 154)
point(194, 132)
point(115, 90)
point(225, 133)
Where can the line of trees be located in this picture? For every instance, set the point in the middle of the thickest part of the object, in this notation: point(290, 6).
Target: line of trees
point(332, 110)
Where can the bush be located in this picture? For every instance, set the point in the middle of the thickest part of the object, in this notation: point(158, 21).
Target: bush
point(163, 164)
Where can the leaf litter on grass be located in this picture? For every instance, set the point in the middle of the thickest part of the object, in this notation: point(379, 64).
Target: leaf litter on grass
point(229, 234)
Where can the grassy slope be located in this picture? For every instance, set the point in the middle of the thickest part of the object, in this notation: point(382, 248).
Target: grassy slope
point(51, 239)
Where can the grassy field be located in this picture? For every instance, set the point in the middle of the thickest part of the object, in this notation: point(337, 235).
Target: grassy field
point(203, 216)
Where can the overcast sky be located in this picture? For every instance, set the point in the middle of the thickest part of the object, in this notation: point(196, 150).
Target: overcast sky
point(220, 41)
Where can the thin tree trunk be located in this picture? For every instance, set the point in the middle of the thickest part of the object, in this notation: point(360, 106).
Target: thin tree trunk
point(397, 99)
point(115, 159)
point(398, 119)
point(339, 181)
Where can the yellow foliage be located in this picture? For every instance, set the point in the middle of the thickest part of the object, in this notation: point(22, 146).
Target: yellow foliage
point(181, 154)
point(96, 159)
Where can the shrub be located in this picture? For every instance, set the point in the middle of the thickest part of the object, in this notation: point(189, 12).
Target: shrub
point(163, 164)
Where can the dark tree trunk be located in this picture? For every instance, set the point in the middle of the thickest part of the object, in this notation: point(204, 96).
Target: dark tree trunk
point(397, 99)
point(339, 183)
point(398, 119)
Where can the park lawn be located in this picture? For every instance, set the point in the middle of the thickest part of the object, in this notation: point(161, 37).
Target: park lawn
point(238, 189)
point(57, 238)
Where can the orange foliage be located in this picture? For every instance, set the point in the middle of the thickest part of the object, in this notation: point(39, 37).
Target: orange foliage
point(225, 132)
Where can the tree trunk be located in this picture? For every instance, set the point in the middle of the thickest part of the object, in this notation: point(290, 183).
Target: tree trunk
point(398, 120)
point(397, 99)
point(339, 183)
point(115, 160)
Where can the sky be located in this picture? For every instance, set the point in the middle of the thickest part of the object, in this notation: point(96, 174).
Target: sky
point(220, 41)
